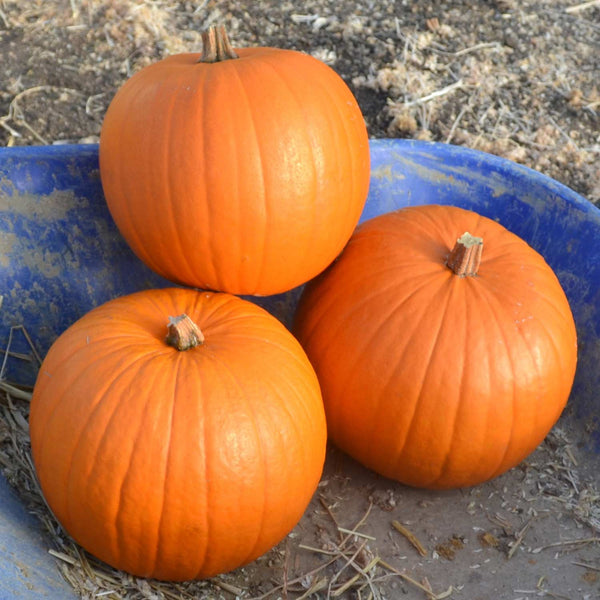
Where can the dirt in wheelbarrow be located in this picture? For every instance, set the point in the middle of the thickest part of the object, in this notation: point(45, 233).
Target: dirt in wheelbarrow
point(520, 79)
point(532, 532)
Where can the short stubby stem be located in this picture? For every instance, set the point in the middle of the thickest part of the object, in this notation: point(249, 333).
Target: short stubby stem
point(183, 333)
point(216, 46)
point(465, 258)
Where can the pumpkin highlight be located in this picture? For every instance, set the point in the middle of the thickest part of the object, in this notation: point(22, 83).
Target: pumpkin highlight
point(174, 463)
point(241, 170)
point(442, 364)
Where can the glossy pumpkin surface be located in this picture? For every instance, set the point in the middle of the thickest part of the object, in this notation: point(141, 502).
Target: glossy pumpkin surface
point(177, 464)
point(246, 175)
point(429, 378)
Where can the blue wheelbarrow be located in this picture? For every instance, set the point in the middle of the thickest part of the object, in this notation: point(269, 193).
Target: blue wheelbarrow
point(61, 255)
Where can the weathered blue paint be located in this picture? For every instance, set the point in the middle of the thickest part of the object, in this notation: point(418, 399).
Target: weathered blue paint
point(61, 255)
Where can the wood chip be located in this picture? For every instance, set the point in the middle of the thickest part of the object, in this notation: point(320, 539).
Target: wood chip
point(411, 537)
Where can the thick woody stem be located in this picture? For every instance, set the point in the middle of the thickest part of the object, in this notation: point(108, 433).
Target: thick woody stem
point(216, 46)
point(183, 333)
point(465, 258)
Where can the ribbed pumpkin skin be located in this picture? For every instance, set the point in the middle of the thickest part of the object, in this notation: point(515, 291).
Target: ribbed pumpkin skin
point(177, 465)
point(246, 176)
point(428, 378)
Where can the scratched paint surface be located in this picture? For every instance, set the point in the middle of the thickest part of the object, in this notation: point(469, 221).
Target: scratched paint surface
point(60, 253)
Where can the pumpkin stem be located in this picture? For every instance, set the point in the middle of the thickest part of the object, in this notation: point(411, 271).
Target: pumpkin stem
point(216, 46)
point(183, 333)
point(465, 258)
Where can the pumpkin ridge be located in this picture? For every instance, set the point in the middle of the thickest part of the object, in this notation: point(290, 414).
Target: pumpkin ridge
point(170, 149)
point(130, 369)
point(327, 92)
point(126, 210)
point(383, 319)
point(282, 404)
point(490, 423)
point(208, 241)
point(551, 343)
point(497, 307)
point(206, 309)
point(207, 481)
point(282, 74)
point(282, 348)
point(236, 177)
point(494, 308)
point(242, 96)
point(374, 292)
point(425, 220)
point(248, 324)
point(161, 534)
point(541, 297)
point(82, 437)
point(353, 158)
point(485, 323)
point(298, 401)
point(310, 145)
point(263, 178)
point(121, 527)
point(133, 341)
point(444, 463)
point(153, 561)
point(137, 337)
point(283, 408)
point(225, 367)
point(43, 379)
point(226, 312)
point(138, 321)
point(64, 383)
point(510, 252)
point(442, 308)
point(265, 495)
point(335, 113)
point(383, 323)
point(332, 333)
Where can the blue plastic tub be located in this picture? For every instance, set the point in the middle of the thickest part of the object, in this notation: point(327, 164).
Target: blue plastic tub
point(61, 255)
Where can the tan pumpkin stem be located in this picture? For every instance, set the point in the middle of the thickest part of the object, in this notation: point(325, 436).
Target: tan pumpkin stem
point(216, 46)
point(183, 333)
point(465, 258)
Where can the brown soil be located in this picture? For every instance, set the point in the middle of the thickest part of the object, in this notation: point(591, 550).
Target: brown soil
point(515, 78)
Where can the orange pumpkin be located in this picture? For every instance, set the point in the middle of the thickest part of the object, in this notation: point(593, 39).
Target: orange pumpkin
point(441, 364)
point(177, 463)
point(244, 171)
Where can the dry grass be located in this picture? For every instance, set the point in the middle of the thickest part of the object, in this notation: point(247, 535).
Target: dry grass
point(467, 96)
point(350, 561)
